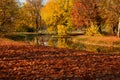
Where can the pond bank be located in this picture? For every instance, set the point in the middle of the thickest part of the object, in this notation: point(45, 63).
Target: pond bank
point(109, 41)
point(23, 61)
point(87, 43)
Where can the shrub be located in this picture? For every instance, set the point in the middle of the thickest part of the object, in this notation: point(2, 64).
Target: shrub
point(93, 30)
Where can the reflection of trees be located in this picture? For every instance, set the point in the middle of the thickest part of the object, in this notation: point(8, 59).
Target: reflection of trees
point(67, 43)
point(44, 40)
point(38, 40)
point(62, 43)
point(51, 42)
point(47, 40)
point(58, 42)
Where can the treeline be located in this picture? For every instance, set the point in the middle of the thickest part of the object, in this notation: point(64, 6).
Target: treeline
point(95, 17)
point(17, 16)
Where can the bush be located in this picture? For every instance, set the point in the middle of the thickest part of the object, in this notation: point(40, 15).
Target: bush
point(93, 30)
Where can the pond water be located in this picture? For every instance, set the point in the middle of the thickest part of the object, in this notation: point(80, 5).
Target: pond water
point(62, 42)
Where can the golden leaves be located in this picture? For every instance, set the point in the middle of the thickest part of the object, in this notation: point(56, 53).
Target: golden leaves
point(57, 13)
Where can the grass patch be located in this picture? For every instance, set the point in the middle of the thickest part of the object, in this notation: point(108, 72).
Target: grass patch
point(101, 40)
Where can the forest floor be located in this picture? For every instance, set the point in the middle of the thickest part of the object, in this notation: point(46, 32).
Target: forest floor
point(21, 61)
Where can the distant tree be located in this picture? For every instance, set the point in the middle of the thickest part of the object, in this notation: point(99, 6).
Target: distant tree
point(114, 7)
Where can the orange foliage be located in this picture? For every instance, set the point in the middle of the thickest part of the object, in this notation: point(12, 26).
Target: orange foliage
point(84, 12)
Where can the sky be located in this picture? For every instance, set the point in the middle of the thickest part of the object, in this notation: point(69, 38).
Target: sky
point(43, 1)
point(22, 0)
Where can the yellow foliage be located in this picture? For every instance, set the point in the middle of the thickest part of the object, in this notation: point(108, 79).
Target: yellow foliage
point(51, 43)
point(62, 43)
point(57, 12)
point(93, 30)
point(62, 30)
point(51, 29)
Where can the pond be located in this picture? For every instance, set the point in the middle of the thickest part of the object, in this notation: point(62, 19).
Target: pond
point(62, 42)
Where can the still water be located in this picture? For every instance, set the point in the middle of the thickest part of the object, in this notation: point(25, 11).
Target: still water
point(63, 42)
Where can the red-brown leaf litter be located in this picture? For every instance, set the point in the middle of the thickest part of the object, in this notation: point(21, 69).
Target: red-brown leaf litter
point(21, 61)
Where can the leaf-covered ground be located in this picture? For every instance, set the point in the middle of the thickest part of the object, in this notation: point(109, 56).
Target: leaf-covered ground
point(20, 61)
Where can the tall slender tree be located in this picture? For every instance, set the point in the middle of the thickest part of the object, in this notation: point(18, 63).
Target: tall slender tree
point(33, 7)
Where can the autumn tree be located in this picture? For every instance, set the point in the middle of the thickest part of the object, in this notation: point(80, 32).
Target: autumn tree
point(86, 12)
point(56, 13)
point(78, 17)
point(24, 21)
point(114, 7)
point(47, 13)
point(32, 9)
point(8, 13)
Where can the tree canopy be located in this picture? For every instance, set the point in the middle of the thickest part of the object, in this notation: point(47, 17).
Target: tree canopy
point(66, 15)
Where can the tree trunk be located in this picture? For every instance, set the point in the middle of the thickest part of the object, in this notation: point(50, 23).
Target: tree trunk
point(118, 28)
point(37, 22)
point(100, 30)
point(40, 22)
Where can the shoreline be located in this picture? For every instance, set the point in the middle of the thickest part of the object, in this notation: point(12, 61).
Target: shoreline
point(111, 41)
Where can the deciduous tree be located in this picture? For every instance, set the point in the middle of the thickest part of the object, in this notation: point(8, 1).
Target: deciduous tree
point(114, 7)
point(8, 13)
point(57, 12)
point(86, 11)
point(35, 11)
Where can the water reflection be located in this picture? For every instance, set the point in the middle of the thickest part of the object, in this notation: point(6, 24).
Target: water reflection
point(62, 43)
point(51, 42)
point(37, 40)
point(65, 42)
point(47, 40)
